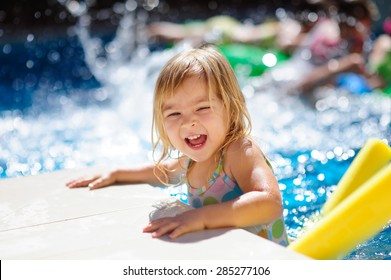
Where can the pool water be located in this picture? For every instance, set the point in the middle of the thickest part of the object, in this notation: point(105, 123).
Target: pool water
point(83, 101)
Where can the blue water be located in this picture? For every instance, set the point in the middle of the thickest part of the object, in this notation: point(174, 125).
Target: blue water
point(57, 111)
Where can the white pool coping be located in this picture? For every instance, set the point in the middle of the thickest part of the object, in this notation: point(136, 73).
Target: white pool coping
point(42, 219)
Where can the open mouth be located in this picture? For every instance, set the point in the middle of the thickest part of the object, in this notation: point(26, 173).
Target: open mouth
point(196, 141)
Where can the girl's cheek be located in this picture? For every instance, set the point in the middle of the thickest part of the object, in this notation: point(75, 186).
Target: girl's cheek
point(172, 131)
point(169, 125)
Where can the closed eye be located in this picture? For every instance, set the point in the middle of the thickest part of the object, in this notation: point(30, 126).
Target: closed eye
point(203, 108)
point(174, 114)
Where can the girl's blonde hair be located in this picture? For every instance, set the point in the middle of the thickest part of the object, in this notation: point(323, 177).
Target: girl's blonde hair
point(210, 65)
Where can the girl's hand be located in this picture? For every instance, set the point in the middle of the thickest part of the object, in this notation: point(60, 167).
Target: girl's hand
point(93, 182)
point(188, 221)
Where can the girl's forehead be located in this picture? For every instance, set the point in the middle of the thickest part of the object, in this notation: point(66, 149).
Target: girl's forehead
point(192, 86)
point(186, 97)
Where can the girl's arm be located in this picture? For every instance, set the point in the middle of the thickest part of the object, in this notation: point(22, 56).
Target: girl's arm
point(324, 74)
point(260, 203)
point(147, 174)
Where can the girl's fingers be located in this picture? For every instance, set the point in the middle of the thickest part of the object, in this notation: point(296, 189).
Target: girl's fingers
point(99, 183)
point(166, 228)
point(77, 183)
point(70, 183)
point(153, 225)
point(161, 226)
point(178, 232)
point(80, 182)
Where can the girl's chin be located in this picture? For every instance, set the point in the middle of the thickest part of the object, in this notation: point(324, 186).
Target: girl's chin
point(202, 157)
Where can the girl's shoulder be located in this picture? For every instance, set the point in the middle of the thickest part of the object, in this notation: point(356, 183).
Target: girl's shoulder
point(243, 146)
point(243, 151)
point(245, 163)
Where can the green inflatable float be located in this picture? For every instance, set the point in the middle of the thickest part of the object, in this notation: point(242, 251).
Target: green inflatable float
point(384, 70)
point(250, 60)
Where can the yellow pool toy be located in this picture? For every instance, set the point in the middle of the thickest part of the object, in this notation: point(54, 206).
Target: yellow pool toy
point(358, 209)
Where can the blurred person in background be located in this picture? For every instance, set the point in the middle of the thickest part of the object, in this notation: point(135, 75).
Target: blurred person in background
point(284, 32)
point(379, 60)
point(337, 45)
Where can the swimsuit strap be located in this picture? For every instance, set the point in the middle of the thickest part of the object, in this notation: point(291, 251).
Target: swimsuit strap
point(211, 181)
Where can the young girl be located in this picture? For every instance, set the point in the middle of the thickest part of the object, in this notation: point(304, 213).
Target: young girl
point(200, 116)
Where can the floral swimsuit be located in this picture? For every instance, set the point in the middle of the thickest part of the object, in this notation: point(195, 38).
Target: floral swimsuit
point(221, 188)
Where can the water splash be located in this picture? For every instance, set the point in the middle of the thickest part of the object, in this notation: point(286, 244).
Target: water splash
point(334, 118)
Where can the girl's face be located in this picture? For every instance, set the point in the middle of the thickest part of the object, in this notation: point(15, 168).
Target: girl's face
point(195, 125)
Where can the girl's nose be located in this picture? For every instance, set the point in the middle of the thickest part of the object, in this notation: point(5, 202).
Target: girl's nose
point(190, 122)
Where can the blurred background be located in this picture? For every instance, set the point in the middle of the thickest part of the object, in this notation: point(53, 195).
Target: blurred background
point(20, 17)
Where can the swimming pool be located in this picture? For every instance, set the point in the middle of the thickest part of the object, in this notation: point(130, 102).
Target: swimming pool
point(82, 101)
